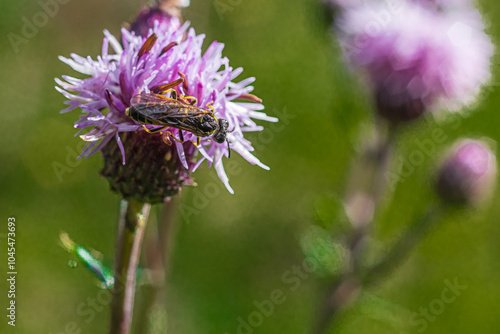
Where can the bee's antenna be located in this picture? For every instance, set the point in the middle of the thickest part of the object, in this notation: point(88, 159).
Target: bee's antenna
point(228, 148)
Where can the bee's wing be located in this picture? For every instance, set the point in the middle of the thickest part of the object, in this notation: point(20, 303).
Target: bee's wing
point(181, 110)
point(148, 99)
point(159, 106)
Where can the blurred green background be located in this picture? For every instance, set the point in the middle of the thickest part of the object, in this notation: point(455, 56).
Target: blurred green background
point(235, 251)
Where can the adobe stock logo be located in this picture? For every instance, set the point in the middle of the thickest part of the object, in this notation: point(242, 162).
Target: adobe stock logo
point(292, 278)
point(437, 306)
point(406, 165)
point(31, 27)
point(71, 161)
point(224, 6)
point(380, 20)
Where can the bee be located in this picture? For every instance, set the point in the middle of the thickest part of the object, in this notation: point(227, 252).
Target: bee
point(177, 112)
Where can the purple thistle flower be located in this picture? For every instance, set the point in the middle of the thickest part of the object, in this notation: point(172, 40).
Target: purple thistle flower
point(468, 174)
point(416, 58)
point(129, 68)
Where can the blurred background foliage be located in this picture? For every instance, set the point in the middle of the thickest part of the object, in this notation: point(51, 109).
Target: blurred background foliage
point(236, 249)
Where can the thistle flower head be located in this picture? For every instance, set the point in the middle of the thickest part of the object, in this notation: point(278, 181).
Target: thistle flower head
point(137, 65)
point(467, 174)
point(417, 58)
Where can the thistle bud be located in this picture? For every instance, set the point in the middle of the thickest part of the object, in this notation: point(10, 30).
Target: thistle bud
point(467, 175)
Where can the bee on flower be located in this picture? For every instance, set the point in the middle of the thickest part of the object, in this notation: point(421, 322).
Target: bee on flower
point(141, 160)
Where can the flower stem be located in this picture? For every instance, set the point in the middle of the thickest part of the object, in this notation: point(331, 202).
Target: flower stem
point(346, 286)
point(133, 219)
point(157, 251)
point(365, 189)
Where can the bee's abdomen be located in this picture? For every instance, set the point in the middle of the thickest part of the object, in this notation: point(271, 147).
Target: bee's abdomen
point(138, 116)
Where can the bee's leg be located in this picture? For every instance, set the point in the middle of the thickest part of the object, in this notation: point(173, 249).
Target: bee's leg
point(154, 130)
point(228, 148)
point(209, 106)
point(174, 93)
point(181, 137)
point(198, 141)
point(158, 130)
point(193, 99)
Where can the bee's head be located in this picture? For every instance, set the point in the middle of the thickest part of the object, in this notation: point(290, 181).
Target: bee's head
point(220, 134)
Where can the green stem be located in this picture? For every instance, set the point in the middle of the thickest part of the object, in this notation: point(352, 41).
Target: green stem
point(403, 246)
point(365, 189)
point(157, 251)
point(347, 286)
point(133, 219)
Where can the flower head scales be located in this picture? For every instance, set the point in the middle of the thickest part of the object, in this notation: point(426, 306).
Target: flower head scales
point(131, 67)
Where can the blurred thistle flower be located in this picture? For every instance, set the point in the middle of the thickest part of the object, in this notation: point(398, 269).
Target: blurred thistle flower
point(417, 59)
point(446, 5)
point(147, 17)
point(144, 166)
point(343, 3)
point(468, 173)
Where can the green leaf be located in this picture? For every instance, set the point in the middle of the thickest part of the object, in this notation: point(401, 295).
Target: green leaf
point(103, 273)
